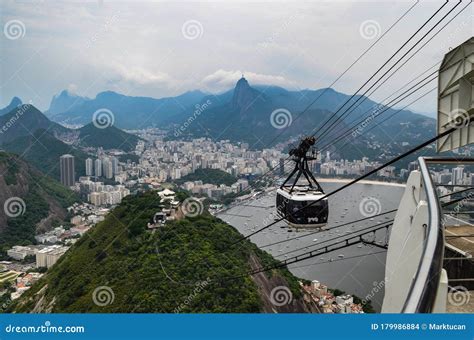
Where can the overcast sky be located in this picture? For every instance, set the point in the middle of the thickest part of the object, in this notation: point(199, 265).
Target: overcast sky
point(161, 49)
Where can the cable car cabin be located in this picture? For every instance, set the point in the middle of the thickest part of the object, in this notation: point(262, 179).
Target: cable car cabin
point(291, 207)
point(302, 205)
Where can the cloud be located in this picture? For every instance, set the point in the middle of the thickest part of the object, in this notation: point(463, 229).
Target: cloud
point(222, 80)
point(72, 88)
point(138, 75)
point(139, 47)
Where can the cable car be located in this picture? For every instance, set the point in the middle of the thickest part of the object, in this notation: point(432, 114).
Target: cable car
point(302, 205)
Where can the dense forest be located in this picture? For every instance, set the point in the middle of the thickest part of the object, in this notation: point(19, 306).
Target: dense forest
point(209, 176)
point(37, 191)
point(107, 138)
point(43, 150)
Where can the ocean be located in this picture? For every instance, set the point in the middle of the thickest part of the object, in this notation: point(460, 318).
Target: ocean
point(358, 269)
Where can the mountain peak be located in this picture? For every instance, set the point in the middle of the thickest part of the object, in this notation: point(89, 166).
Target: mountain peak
point(64, 93)
point(243, 94)
point(14, 103)
point(108, 95)
point(30, 120)
point(63, 102)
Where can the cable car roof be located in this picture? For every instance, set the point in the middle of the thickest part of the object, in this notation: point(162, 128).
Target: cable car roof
point(307, 194)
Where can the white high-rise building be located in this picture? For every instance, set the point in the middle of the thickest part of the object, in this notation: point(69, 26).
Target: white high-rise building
point(89, 167)
point(107, 168)
point(98, 168)
point(457, 175)
point(115, 165)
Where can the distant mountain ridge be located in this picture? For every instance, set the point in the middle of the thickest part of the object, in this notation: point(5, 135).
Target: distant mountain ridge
point(266, 115)
point(262, 116)
point(243, 105)
point(129, 112)
point(27, 132)
point(63, 102)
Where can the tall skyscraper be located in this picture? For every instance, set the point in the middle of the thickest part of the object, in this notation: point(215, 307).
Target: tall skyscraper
point(457, 175)
point(89, 167)
point(66, 170)
point(98, 168)
point(115, 165)
point(107, 168)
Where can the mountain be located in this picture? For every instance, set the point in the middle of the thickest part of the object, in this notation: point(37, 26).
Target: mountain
point(185, 266)
point(23, 121)
point(258, 117)
point(208, 176)
point(42, 149)
point(108, 138)
point(29, 133)
point(266, 115)
point(15, 102)
point(41, 201)
point(63, 102)
point(244, 96)
point(129, 112)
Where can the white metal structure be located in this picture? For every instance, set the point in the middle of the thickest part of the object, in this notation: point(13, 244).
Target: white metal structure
point(414, 278)
point(456, 97)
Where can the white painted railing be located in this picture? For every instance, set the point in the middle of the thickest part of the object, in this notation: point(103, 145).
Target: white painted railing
point(414, 279)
